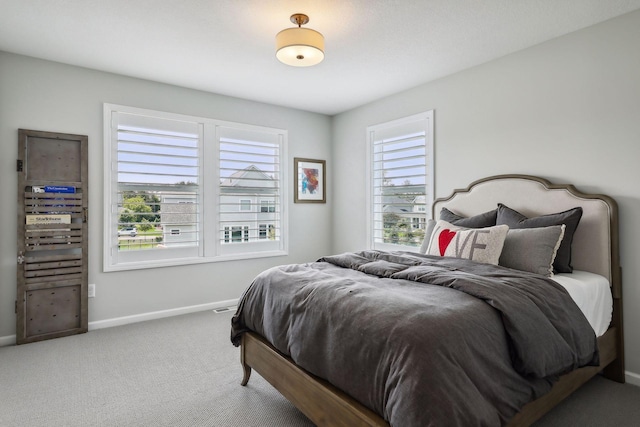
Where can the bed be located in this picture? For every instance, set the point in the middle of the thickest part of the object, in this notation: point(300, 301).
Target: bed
point(326, 396)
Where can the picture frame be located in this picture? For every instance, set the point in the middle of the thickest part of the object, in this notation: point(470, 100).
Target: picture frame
point(309, 181)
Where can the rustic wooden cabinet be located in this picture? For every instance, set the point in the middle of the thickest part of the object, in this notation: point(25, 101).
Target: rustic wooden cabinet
point(52, 274)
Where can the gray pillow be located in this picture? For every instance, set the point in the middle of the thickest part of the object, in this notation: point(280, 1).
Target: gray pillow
point(427, 235)
point(487, 219)
point(532, 249)
point(570, 218)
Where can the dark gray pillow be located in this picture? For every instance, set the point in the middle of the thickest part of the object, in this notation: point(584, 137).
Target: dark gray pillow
point(487, 219)
point(570, 218)
point(532, 249)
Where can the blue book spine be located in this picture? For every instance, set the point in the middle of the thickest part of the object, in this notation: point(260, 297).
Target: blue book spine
point(59, 189)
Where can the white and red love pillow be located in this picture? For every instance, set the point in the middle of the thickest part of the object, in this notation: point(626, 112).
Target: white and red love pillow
point(477, 244)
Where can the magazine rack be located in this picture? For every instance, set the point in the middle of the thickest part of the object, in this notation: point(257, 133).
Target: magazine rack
point(52, 273)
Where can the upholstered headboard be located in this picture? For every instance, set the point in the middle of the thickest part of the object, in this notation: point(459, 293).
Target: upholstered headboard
point(595, 243)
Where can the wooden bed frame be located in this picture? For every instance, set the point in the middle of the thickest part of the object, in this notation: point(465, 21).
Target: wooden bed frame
point(595, 249)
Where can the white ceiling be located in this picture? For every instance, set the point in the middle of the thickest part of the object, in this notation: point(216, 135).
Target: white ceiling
point(373, 48)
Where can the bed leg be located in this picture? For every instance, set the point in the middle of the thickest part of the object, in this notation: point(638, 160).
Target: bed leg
point(246, 368)
point(247, 374)
point(615, 370)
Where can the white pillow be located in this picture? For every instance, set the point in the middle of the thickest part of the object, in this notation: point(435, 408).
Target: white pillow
point(476, 244)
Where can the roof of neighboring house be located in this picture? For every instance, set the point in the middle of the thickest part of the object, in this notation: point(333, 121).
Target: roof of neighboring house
point(401, 199)
point(250, 180)
point(250, 177)
point(392, 204)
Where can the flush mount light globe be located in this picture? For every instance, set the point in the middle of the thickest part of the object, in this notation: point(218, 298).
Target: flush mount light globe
point(299, 47)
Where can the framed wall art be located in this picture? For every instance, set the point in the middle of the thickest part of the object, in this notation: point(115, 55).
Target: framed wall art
point(309, 181)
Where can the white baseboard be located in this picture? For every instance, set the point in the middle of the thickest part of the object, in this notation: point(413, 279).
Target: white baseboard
point(632, 378)
point(7, 340)
point(119, 321)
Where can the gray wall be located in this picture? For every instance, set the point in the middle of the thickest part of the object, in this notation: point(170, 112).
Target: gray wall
point(567, 110)
point(48, 96)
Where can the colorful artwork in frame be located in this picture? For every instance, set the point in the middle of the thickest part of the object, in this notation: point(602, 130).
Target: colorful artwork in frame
point(309, 181)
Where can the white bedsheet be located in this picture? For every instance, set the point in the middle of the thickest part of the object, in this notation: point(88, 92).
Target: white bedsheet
point(592, 293)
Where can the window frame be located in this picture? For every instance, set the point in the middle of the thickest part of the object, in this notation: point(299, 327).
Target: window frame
point(210, 247)
point(426, 120)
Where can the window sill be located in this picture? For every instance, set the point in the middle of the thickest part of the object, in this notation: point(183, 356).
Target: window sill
point(190, 261)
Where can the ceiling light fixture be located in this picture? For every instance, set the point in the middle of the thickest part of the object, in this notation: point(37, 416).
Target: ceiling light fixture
point(300, 47)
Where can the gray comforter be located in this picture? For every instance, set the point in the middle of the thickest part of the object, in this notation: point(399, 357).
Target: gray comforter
point(421, 340)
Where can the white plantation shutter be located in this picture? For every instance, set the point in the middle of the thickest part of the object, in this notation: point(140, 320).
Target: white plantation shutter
point(157, 165)
point(250, 164)
point(401, 181)
point(193, 187)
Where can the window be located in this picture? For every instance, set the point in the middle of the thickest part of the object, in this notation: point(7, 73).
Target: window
point(188, 185)
point(236, 234)
point(267, 206)
point(267, 231)
point(400, 169)
point(250, 169)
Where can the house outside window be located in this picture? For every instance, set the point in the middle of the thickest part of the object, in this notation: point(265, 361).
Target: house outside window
point(156, 165)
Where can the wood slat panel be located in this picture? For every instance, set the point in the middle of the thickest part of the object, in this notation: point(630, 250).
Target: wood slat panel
point(35, 227)
point(51, 285)
point(52, 210)
point(49, 265)
point(52, 233)
point(52, 247)
point(53, 272)
point(53, 240)
point(63, 278)
point(51, 258)
point(51, 203)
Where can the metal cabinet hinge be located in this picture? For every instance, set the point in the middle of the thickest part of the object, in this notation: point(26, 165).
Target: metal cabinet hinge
point(20, 258)
point(19, 165)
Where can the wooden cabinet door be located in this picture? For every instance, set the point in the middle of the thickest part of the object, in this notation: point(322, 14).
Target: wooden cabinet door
point(52, 274)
